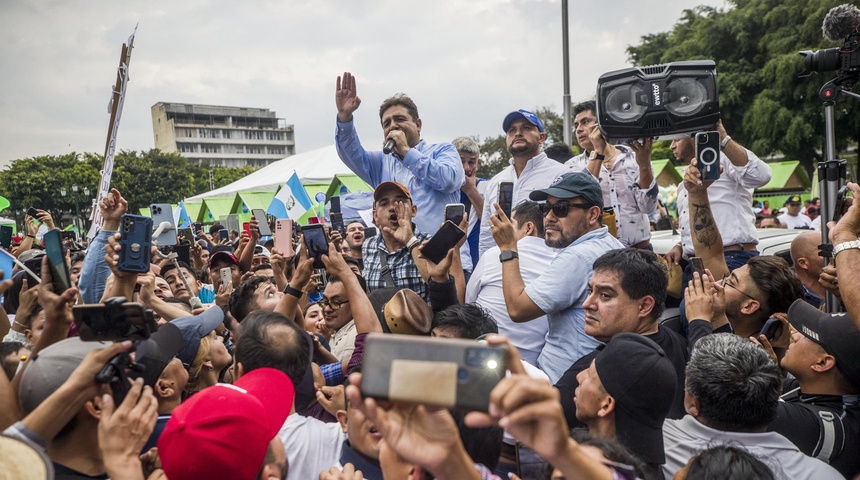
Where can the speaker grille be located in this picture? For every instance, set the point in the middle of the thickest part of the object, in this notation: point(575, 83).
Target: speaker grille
point(657, 124)
point(687, 96)
point(627, 104)
point(654, 69)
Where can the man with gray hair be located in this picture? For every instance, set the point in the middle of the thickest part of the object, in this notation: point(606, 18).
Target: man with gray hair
point(732, 392)
point(471, 194)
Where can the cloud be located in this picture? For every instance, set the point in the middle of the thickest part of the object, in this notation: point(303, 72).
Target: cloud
point(466, 63)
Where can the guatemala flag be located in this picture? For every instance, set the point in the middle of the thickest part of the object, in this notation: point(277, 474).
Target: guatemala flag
point(292, 201)
point(181, 217)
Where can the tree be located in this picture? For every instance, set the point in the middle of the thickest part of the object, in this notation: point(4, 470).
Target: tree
point(755, 45)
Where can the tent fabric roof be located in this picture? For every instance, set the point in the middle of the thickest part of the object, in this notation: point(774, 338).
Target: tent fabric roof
point(787, 175)
point(195, 210)
point(220, 206)
point(315, 166)
point(661, 166)
point(259, 200)
point(352, 182)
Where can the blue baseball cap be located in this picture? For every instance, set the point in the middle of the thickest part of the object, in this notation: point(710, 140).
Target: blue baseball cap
point(524, 114)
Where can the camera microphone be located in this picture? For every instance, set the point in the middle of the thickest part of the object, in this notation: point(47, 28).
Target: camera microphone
point(840, 22)
point(388, 147)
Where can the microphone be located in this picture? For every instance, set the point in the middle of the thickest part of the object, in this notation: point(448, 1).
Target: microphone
point(840, 22)
point(388, 147)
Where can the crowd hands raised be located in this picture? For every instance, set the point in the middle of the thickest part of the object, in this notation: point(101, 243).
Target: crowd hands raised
point(596, 387)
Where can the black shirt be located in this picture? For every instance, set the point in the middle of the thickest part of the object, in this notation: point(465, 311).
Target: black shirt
point(670, 341)
point(65, 473)
point(800, 424)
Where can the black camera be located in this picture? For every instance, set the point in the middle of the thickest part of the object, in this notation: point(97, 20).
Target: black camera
point(839, 24)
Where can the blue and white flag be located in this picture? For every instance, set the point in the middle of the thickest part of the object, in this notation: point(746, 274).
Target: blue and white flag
point(292, 201)
point(181, 217)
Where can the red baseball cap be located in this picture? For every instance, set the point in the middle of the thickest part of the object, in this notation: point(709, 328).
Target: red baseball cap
point(224, 430)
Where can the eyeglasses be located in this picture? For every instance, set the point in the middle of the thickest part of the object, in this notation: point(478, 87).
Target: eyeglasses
point(560, 210)
point(728, 281)
point(334, 304)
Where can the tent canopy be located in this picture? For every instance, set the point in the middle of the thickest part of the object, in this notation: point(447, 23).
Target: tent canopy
point(666, 173)
point(315, 167)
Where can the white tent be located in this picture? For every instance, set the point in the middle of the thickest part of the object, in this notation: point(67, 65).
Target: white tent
point(315, 167)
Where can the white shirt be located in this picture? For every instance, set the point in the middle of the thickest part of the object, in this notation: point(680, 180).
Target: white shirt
point(465, 253)
point(731, 202)
point(485, 289)
point(816, 224)
point(311, 446)
point(797, 221)
point(621, 191)
point(539, 173)
point(687, 437)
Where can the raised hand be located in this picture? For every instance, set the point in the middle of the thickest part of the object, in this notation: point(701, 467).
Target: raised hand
point(346, 97)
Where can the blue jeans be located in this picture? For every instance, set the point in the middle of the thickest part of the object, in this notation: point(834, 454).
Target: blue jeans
point(734, 259)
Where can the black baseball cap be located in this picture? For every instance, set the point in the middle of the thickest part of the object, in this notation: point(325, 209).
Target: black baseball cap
point(641, 379)
point(570, 185)
point(157, 351)
point(835, 332)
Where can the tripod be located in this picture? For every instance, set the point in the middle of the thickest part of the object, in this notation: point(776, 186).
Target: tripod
point(831, 172)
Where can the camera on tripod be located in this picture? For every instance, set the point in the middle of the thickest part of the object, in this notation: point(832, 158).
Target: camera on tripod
point(839, 24)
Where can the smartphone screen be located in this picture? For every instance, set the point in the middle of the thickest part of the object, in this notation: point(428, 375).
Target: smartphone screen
point(316, 243)
point(455, 212)
point(445, 238)
point(506, 197)
point(337, 223)
point(5, 236)
point(262, 222)
point(59, 270)
point(95, 324)
point(186, 235)
point(463, 372)
point(223, 234)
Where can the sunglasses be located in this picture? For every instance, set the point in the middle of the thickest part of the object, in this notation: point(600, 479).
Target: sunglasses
point(560, 210)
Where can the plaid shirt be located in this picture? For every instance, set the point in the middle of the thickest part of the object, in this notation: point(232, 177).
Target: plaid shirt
point(404, 272)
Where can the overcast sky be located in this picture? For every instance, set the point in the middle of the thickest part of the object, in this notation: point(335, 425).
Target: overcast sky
point(466, 63)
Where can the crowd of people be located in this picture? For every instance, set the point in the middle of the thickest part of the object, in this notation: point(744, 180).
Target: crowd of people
point(253, 367)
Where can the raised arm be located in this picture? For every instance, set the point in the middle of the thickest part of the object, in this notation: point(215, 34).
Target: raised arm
point(707, 241)
point(95, 271)
point(521, 307)
point(848, 260)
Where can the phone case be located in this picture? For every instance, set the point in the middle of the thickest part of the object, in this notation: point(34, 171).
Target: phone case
point(506, 197)
point(450, 373)
point(226, 276)
point(284, 236)
point(262, 222)
point(708, 155)
point(445, 238)
point(163, 212)
point(94, 326)
point(5, 236)
point(136, 241)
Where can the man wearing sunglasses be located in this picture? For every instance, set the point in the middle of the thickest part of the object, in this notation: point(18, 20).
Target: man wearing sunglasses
point(572, 222)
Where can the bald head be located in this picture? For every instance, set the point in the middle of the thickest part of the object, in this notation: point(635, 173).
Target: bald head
point(804, 254)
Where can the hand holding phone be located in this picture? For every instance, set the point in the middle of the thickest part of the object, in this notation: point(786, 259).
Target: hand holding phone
point(60, 279)
point(455, 212)
point(505, 198)
point(135, 241)
point(316, 241)
point(445, 239)
point(262, 222)
point(708, 155)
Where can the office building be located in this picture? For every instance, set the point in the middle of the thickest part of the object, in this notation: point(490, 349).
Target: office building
point(222, 136)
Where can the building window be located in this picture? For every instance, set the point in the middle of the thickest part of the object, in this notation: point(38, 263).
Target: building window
point(276, 150)
point(254, 149)
point(210, 148)
point(187, 147)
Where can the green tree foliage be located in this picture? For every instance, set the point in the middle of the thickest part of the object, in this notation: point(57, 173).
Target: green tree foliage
point(142, 177)
point(755, 44)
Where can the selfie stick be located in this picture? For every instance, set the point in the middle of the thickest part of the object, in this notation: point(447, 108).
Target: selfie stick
point(194, 301)
point(831, 172)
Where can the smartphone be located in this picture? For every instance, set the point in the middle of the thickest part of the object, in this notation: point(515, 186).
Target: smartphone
point(442, 372)
point(698, 265)
point(136, 242)
point(323, 278)
point(445, 239)
point(335, 205)
point(262, 222)
point(6, 236)
point(284, 236)
point(223, 234)
point(337, 223)
point(505, 199)
point(708, 155)
point(186, 235)
point(197, 227)
point(772, 329)
point(246, 227)
point(455, 212)
point(98, 322)
point(370, 232)
point(316, 242)
point(163, 212)
point(839, 204)
point(226, 277)
point(57, 260)
point(33, 212)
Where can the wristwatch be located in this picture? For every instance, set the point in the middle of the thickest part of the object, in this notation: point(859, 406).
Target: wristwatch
point(288, 290)
point(508, 255)
point(597, 156)
point(845, 246)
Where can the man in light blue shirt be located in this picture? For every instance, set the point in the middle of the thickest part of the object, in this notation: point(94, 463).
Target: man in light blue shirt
point(432, 173)
point(572, 222)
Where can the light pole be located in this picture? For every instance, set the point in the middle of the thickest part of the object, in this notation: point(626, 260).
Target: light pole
point(76, 198)
point(566, 67)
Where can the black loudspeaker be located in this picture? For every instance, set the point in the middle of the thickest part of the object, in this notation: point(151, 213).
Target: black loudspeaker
point(659, 100)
